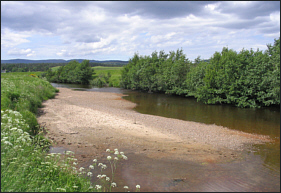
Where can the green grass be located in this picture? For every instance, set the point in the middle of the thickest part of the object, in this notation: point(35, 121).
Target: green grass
point(55, 68)
point(26, 165)
point(101, 72)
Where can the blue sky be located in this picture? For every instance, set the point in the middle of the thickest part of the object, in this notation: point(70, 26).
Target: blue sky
point(115, 30)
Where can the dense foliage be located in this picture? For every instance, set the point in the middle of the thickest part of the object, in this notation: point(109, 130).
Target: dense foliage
point(73, 72)
point(158, 72)
point(33, 67)
point(245, 79)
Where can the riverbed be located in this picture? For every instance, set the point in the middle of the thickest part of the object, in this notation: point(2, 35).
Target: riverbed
point(165, 154)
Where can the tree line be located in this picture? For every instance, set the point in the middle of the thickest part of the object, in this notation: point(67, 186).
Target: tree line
point(245, 79)
point(35, 67)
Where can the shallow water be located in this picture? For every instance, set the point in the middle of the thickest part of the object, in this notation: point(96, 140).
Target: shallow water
point(258, 171)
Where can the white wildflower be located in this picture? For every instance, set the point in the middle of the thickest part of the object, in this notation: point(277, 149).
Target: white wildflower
point(113, 184)
point(103, 166)
point(95, 160)
point(90, 174)
point(109, 157)
point(138, 186)
point(124, 157)
point(98, 187)
point(126, 187)
point(62, 189)
point(107, 150)
point(69, 152)
point(107, 178)
point(103, 176)
point(8, 143)
point(91, 167)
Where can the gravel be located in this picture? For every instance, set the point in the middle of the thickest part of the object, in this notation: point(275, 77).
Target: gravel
point(90, 122)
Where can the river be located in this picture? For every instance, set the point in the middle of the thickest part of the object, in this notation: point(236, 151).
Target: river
point(261, 169)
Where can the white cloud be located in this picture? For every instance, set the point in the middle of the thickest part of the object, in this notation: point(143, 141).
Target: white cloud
point(104, 29)
point(21, 52)
point(275, 17)
point(11, 39)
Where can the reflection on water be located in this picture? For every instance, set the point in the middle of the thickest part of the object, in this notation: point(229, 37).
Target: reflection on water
point(161, 175)
point(259, 172)
point(260, 121)
point(265, 121)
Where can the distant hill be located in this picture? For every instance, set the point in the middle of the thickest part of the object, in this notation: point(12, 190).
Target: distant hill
point(25, 61)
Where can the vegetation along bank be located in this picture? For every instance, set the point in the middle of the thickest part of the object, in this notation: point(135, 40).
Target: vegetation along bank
point(26, 165)
point(245, 79)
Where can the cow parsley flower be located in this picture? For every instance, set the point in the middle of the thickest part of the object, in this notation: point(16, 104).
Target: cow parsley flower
point(91, 167)
point(103, 166)
point(124, 157)
point(113, 184)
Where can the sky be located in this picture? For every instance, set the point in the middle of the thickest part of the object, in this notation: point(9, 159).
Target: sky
point(116, 30)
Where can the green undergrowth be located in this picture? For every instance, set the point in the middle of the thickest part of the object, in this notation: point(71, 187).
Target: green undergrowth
point(24, 92)
point(26, 164)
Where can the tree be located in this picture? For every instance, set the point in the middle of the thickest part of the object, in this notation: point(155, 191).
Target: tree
point(73, 72)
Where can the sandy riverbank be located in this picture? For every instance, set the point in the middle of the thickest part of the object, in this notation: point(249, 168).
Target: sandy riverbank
point(90, 122)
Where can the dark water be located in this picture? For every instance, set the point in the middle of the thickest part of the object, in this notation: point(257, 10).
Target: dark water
point(264, 121)
point(260, 171)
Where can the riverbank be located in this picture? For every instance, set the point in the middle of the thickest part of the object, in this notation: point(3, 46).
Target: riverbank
point(24, 163)
point(90, 122)
point(96, 118)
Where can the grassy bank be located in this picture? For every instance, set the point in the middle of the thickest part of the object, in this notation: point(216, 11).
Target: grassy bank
point(26, 165)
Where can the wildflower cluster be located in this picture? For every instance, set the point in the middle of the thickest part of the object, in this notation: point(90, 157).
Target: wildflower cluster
point(13, 138)
point(104, 182)
point(21, 158)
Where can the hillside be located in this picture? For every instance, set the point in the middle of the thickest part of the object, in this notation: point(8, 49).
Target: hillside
point(25, 61)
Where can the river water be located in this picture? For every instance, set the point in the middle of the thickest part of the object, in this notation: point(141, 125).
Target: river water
point(259, 171)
